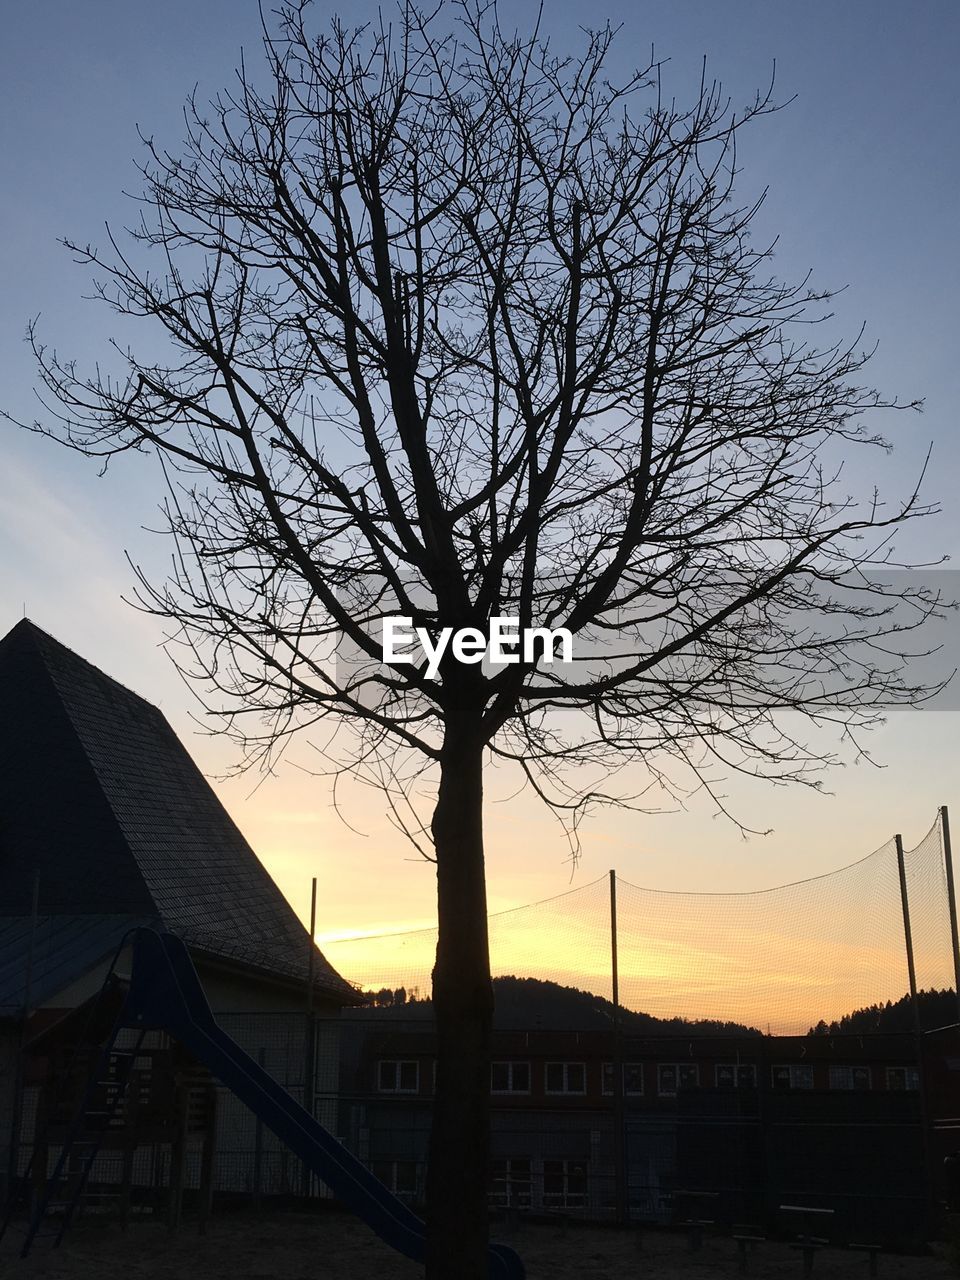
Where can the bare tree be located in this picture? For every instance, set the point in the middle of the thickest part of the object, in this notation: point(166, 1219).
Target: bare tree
point(462, 330)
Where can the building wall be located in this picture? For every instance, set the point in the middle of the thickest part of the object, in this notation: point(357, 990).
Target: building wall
point(236, 991)
point(87, 984)
point(736, 1124)
point(9, 1046)
point(268, 1019)
point(269, 1022)
point(228, 989)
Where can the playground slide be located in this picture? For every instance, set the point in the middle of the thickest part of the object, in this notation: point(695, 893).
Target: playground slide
point(165, 991)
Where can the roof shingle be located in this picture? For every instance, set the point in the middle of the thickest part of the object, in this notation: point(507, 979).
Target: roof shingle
point(99, 798)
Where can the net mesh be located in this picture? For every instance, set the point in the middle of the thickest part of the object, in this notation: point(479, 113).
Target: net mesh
point(781, 959)
point(925, 869)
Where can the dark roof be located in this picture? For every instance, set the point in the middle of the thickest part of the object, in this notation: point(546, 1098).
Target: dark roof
point(64, 948)
point(100, 799)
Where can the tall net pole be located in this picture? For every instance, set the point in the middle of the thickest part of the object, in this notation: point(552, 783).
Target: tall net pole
point(951, 901)
point(619, 1137)
point(918, 1030)
point(908, 936)
point(310, 1040)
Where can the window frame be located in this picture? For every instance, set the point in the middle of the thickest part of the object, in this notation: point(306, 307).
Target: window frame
point(911, 1079)
point(793, 1068)
point(505, 1190)
point(392, 1183)
point(850, 1069)
point(565, 1198)
point(510, 1063)
point(606, 1068)
point(677, 1068)
point(566, 1091)
point(737, 1068)
point(398, 1064)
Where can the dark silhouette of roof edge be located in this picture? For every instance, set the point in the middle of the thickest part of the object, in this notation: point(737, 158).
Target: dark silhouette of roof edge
point(64, 950)
point(268, 937)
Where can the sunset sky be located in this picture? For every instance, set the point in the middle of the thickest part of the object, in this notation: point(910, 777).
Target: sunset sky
point(863, 189)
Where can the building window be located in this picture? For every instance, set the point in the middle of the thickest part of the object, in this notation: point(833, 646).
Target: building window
point(735, 1075)
point(510, 1077)
point(566, 1077)
point(632, 1078)
point(903, 1079)
point(399, 1176)
point(510, 1184)
point(792, 1077)
point(398, 1077)
point(672, 1077)
point(564, 1184)
point(849, 1077)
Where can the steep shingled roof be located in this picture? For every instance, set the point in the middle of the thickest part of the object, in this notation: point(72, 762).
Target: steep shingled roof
point(100, 798)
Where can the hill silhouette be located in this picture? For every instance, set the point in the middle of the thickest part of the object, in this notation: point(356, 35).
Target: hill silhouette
point(937, 1009)
point(524, 1004)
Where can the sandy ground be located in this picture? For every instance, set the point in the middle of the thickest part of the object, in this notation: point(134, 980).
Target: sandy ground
point(334, 1246)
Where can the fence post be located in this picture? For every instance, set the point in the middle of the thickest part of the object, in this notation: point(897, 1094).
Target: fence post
point(951, 900)
point(619, 1136)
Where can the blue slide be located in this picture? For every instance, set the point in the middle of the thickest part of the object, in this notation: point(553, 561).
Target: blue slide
point(166, 992)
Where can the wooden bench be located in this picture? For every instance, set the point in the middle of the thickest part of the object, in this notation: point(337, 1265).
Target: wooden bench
point(873, 1250)
point(694, 1225)
point(694, 1228)
point(806, 1242)
point(747, 1238)
point(808, 1214)
point(809, 1247)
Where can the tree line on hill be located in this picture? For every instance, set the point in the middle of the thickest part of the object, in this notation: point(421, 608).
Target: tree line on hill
point(527, 1003)
point(938, 1008)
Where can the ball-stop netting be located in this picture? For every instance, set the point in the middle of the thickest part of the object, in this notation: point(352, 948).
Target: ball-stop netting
point(780, 959)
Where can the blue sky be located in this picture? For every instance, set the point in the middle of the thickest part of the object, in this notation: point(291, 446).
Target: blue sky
point(862, 172)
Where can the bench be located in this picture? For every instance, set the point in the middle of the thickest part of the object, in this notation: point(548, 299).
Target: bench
point(694, 1225)
point(807, 1243)
point(809, 1247)
point(872, 1250)
point(694, 1228)
point(808, 1214)
point(746, 1238)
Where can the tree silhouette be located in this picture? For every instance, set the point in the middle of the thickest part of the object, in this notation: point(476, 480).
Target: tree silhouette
point(458, 329)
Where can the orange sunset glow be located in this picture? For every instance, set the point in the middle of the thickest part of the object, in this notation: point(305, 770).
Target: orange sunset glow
point(782, 959)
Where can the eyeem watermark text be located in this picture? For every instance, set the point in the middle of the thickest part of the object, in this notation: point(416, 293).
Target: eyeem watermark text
point(505, 644)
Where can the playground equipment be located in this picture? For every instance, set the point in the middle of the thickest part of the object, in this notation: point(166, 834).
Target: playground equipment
point(164, 994)
point(116, 1102)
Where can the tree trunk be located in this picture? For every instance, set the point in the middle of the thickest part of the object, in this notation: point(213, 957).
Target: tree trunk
point(457, 1229)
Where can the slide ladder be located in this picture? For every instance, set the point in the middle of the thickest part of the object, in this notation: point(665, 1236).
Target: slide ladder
point(165, 994)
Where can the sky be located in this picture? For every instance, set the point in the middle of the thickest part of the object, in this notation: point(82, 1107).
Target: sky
point(861, 169)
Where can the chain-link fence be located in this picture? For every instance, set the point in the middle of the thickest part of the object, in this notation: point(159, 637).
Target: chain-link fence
point(249, 1159)
point(724, 1128)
